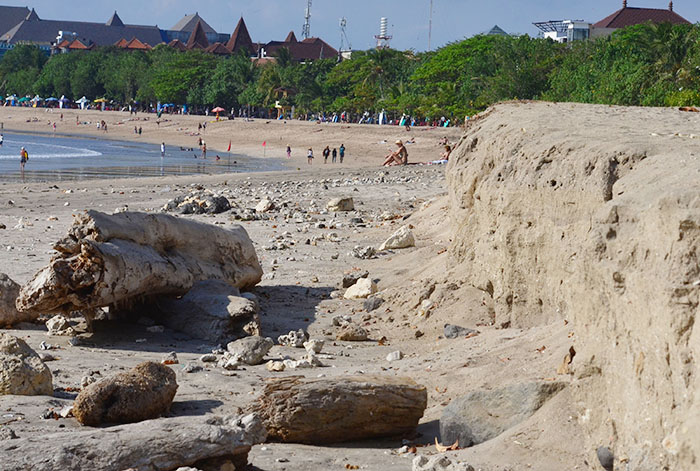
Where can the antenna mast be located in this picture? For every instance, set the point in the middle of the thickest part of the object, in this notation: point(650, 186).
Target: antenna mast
point(430, 27)
point(306, 29)
point(343, 35)
point(383, 37)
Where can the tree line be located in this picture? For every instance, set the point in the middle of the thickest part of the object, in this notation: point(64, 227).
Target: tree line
point(650, 65)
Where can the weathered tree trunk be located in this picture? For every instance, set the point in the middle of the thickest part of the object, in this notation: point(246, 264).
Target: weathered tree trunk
point(153, 445)
point(113, 260)
point(333, 410)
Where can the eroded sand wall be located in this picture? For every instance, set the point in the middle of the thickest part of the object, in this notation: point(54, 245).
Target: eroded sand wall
point(591, 214)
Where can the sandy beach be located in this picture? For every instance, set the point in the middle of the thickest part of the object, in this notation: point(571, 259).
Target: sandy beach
point(516, 193)
point(366, 144)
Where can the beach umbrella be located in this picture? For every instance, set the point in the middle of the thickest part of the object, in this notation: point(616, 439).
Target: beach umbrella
point(52, 99)
point(63, 99)
point(24, 99)
point(101, 100)
point(218, 109)
point(37, 98)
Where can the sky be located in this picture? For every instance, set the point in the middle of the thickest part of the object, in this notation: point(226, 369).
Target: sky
point(269, 20)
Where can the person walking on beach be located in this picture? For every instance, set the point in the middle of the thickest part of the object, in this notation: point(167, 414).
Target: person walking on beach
point(162, 149)
point(289, 152)
point(341, 151)
point(326, 153)
point(334, 155)
point(310, 156)
point(23, 157)
point(140, 130)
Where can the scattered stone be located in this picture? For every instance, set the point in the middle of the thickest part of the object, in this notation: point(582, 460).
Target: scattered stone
point(372, 303)
point(314, 346)
point(22, 372)
point(394, 356)
point(453, 331)
point(340, 204)
point(7, 433)
point(192, 368)
point(364, 253)
point(198, 202)
point(339, 321)
point(155, 329)
point(264, 206)
point(229, 362)
point(66, 411)
point(250, 350)
point(294, 339)
point(351, 278)
point(212, 310)
point(208, 358)
point(438, 463)
point(60, 325)
point(9, 315)
point(46, 357)
point(401, 239)
point(170, 359)
point(362, 289)
point(275, 366)
point(482, 415)
point(425, 308)
point(143, 393)
point(606, 458)
point(350, 408)
point(87, 381)
point(352, 333)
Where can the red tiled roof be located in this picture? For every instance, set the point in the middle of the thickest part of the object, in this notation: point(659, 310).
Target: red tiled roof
point(240, 39)
point(177, 44)
point(219, 49)
point(198, 38)
point(308, 49)
point(121, 43)
point(78, 44)
point(629, 16)
point(136, 44)
point(291, 37)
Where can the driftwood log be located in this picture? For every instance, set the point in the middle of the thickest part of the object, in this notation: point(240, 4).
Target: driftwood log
point(333, 410)
point(114, 260)
point(153, 445)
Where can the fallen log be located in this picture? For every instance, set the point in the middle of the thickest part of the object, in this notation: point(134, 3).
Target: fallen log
point(114, 260)
point(332, 410)
point(153, 445)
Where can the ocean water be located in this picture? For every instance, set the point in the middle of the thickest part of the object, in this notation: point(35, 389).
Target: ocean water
point(73, 158)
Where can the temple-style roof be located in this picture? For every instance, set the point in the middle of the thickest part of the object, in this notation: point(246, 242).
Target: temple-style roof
point(628, 16)
point(240, 39)
point(189, 22)
point(32, 16)
point(177, 44)
point(115, 20)
point(291, 37)
point(198, 38)
point(12, 16)
point(218, 49)
point(121, 43)
point(497, 31)
point(79, 45)
point(136, 45)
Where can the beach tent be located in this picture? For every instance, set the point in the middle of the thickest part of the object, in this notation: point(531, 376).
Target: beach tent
point(62, 101)
point(83, 103)
point(24, 99)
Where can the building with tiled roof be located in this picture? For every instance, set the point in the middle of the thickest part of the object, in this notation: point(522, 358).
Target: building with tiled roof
point(573, 30)
point(630, 16)
point(240, 39)
point(198, 38)
point(307, 50)
point(11, 17)
point(184, 28)
point(48, 32)
point(218, 49)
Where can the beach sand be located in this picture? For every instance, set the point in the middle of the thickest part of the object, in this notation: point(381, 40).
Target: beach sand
point(296, 290)
point(365, 144)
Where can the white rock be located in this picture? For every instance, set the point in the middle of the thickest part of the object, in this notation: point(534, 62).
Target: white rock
point(59, 325)
point(314, 346)
point(275, 366)
point(293, 339)
point(364, 288)
point(401, 239)
point(394, 356)
point(21, 370)
point(340, 204)
point(264, 206)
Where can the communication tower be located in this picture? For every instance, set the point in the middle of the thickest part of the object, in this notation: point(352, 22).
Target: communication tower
point(344, 51)
point(383, 37)
point(306, 29)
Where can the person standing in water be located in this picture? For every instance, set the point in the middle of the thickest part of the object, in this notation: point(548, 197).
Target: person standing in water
point(2, 138)
point(23, 157)
point(289, 152)
point(162, 149)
